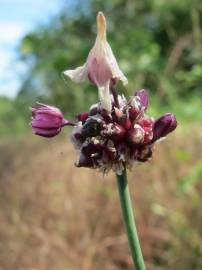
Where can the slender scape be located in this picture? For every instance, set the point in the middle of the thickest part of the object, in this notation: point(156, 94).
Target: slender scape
point(128, 217)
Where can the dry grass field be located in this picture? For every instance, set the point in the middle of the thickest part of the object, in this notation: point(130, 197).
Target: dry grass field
point(54, 216)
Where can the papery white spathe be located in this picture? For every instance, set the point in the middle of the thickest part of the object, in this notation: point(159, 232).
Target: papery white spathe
point(101, 67)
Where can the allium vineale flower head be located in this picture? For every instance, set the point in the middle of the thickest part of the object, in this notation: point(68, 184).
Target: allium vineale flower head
point(115, 133)
point(112, 140)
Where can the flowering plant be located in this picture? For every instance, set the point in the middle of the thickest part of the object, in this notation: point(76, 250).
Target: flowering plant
point(115, 133)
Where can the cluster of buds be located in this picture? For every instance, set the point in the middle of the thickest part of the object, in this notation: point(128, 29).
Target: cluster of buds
point(114, 133)
point(120, 138)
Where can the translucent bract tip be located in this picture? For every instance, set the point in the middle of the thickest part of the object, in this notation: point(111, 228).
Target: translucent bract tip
point(101, 25)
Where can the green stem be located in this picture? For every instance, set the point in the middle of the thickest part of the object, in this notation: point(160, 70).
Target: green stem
point(128, 217)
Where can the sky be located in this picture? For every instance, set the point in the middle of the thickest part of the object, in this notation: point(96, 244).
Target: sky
point(17, 17)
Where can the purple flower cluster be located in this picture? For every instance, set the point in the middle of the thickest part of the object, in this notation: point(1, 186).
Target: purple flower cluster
point(117, 139)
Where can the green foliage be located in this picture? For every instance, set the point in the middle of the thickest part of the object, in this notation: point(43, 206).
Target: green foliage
point(12, 121)
point(193, 177)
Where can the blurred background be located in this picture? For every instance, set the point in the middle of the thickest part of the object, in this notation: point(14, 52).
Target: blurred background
point(54, 216)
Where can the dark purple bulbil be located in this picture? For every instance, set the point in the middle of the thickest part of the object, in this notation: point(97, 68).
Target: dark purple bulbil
point(91, 128)
point(163, 126)
point(83, 116)
point(47, 121)
point(84, 161)
point(118, 132)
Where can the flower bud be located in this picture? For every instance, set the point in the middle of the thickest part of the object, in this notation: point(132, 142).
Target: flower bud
point(126, 123)
point(136, 135)
point(143, 98)
point(147, 125)
point(118, 132)
point(164, 125)
point(47, 121)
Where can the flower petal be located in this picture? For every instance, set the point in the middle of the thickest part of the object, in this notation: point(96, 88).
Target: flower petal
point(101, 62)
point(143, 98)
point(99, 72)
point(113, 65)
point(77, 75)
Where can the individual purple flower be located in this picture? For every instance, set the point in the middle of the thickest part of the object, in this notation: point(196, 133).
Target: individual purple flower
point(163, 126)
point(47, 121)
point(101, 67)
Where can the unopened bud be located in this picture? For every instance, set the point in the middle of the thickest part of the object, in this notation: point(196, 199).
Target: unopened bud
point(118, 132)
point(164, 125)
point(47, 121)
point(126, 123)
